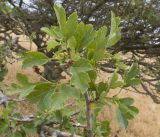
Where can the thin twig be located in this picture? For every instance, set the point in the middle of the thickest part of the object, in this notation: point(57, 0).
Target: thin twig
point(25, 119)
point(155, 98)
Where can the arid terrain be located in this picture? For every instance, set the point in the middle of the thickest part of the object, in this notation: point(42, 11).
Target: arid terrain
point(146, 124)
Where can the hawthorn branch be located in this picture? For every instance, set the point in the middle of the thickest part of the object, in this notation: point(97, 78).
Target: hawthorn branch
point(4, 99)
point(44, 129)
point(155, 98)
point(78, 125)
point(55, 133)
point(89, 127)
point(95, 8)
point(24, 119)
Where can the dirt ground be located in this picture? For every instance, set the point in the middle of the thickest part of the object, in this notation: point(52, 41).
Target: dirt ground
point(146, 124)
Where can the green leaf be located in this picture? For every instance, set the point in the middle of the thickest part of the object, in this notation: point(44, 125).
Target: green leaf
point(61, 17)
point(64, 93)
point(34, 58)
point(133, 82)
point(22, 79)
point(121, 118)
point(93, 75)
point(127, 101)
point(47, 31)
point(12, 89)
point(133, 110)
point(80, 81)
point(17, 134)
point(133, 71)
point(96, 111)
point(40, 91)
point(120, 65)
point(114, 83)
point(3, 72)
point(100, 41)
point(89, 37)
point(82, 65)
point(80, 33)
point(57, 101)
point(42, 95)
point(129, 77)
point(26, 90)
point(115, 34)
point(99, 54)
point(52, 44)
point(72, 44)
point(101, 87)
point(103, 129)
point(72, 23)
point(69, 92)
point(129, 112)
point(4, 125)
point(84, 35)
point(29, 128)
point(113, 79)
point(23, 87)
point(125, 111)
point(54, 32)
point(57, 34)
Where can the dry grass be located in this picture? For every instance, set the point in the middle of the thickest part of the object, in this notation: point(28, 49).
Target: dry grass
point(146, 124)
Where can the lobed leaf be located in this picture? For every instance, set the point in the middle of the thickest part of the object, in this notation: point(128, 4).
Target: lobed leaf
point(61, 17)
point(22, 79)
point(115, 34)
point(52, 44)
point(41, 95)
point(125, 111)
point(34, 58)
point(114, 83)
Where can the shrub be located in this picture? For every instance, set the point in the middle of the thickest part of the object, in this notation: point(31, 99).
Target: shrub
point(73, 107)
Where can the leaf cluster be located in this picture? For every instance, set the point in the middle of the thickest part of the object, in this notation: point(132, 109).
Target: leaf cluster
point(81, 99)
